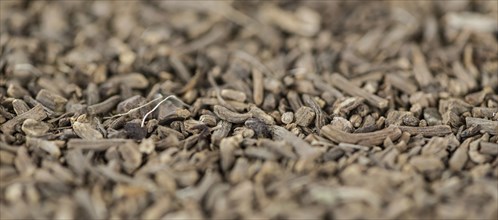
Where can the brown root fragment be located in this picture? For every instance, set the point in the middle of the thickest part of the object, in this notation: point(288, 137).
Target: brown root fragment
point(302, 148)
point(36, 113)
point(488, 126)
point(349, 88)
point(105, 106)
point(366, 139)
point(489, 148)
point(157, 106)
point(96, 145)
point(460, 156)
point(51, 100)
point(227, 115)
point(429, 131)
point(421, 70)
point(258, 88)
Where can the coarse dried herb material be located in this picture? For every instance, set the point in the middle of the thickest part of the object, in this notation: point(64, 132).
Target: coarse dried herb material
point(248, 110)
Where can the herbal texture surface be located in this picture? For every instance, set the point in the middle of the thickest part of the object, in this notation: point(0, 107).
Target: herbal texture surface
point(250, 109)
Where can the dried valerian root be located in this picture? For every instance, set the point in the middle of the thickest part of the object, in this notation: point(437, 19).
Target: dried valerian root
point(367, 139)
point(85, 130)
point(50, 147)
point(50, 100)
point(176, 100)
point(429, 131)
point(36, 113)
point(227, 115)
point(487, 126)
point(346, 86)
point(250, 110)
point(34, 128)
point(261, 129)
point(304, 116)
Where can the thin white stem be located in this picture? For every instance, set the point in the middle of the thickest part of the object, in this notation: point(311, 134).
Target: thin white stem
point(134, 109)
point(158, 104)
